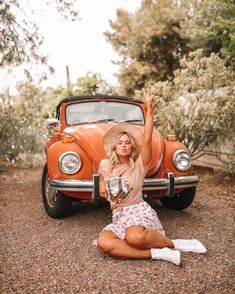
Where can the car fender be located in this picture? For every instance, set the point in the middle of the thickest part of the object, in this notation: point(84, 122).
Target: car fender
point(56, 150)
point(170, 149)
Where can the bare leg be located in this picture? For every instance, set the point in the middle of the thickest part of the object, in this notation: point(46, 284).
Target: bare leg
point(111, 244)
point(144, 238)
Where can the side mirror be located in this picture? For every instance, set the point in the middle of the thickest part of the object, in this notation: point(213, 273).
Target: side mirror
point(52, 122)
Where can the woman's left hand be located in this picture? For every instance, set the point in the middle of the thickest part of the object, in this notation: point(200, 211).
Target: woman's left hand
point(149, 100)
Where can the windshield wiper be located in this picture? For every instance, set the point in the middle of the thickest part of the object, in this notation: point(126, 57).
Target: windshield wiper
point(102, 120)
point(131, 120)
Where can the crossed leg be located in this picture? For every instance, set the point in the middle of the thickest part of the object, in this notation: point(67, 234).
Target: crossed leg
point(137, 243)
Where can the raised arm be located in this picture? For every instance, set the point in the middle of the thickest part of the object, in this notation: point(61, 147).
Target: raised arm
point(146, 150)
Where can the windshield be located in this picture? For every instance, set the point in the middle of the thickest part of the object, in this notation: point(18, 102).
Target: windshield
point(103, 111)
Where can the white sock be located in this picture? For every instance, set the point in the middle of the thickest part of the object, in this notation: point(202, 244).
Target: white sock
point(94, 243)
point(189, 246)
point(166, 254)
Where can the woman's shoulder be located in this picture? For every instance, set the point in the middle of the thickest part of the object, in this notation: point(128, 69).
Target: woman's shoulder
point(103, 166)
point(104, 162)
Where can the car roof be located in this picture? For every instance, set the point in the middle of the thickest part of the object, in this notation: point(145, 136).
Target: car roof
point(93, 97)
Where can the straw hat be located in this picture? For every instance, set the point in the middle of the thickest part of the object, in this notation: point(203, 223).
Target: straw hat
point(112, 134)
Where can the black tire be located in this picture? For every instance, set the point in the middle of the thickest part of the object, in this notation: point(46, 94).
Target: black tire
point(56, 204)
point(179, 201)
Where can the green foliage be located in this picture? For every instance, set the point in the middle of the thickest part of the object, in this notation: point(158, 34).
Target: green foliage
point(149, 42)
point(90, 84)
point(93, 84)
point(17, 37)
point(22, 128)
point(198, 104)
point(212, 27)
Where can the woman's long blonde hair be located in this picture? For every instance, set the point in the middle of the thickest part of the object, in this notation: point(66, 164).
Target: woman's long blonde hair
point(113, 158)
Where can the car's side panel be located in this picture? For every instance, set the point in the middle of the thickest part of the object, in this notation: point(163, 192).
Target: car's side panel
point(161, 173)
point(157, 154)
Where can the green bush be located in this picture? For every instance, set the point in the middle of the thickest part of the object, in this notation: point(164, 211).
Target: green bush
point(198, 104)
point(22, 126)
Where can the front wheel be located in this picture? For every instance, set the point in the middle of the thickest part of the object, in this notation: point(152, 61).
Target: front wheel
point(56, 204)
point(179, 201)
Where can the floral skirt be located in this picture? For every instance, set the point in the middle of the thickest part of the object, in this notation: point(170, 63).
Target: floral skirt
point(140, 214)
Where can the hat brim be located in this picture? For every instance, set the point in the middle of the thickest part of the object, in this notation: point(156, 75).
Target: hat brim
point(112, 134)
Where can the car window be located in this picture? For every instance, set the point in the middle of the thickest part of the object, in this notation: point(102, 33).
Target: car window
point(102, 111)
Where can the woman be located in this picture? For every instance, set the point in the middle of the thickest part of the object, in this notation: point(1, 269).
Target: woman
point(135, 231)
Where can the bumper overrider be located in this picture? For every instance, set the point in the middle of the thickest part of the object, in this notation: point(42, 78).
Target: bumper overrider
point(169, 184)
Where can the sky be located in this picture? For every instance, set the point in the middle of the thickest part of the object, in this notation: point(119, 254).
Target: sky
point(81, 45)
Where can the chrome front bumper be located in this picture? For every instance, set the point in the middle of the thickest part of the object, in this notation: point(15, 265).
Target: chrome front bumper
point(169, 184)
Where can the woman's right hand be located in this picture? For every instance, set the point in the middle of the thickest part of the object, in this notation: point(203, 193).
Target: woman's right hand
point(102, 188)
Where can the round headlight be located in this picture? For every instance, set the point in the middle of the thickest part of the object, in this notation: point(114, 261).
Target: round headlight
point(182, 160)
point(70, 163)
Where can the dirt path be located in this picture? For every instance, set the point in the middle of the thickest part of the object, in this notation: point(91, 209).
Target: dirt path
point(44, 255)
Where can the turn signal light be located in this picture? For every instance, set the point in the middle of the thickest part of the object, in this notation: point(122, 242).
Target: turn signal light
point(171, 138)
point(67, 139)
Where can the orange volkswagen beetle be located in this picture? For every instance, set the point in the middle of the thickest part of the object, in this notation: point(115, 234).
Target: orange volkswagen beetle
point(75, 150)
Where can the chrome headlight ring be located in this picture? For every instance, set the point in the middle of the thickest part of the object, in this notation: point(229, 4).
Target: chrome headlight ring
point(70, 162)
point(182, 160)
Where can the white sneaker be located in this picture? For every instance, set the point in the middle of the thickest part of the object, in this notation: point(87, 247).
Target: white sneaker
point(167, 254)
point(189, 246)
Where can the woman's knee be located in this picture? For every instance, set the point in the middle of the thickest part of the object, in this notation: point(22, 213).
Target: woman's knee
point(105, 242)
point(135, 237)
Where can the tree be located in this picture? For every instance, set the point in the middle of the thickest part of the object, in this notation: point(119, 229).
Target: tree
point(212, 27)
point(149, 42)
point(90, 84)
point(22, 128)
point(93, 84)
point(198, 104)
point(20, 39)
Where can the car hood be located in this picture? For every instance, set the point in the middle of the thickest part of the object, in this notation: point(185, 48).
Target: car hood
point(90, 137)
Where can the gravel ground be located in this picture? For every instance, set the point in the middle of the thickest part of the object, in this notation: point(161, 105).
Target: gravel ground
point(43, 255)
